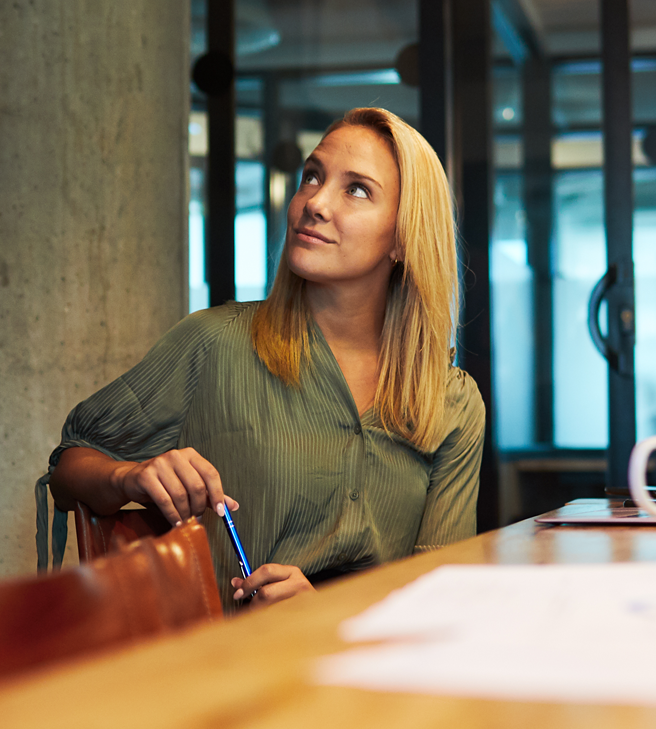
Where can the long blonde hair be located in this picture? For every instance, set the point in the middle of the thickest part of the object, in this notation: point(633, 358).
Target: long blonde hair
point(422, 298)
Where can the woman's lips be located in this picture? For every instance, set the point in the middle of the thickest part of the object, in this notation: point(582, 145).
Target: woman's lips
point(312, 236)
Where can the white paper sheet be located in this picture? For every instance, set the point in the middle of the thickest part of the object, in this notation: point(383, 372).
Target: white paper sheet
point(572, 633)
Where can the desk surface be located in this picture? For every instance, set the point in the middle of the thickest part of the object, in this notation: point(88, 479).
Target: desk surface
point(251, 671)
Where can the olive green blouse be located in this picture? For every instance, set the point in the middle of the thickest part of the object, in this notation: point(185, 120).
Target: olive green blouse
point(319, 486)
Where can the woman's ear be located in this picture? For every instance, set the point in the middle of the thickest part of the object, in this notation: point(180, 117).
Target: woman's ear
point(395, 257)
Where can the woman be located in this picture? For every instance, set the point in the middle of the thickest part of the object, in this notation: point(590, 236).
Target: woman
point(331, 411)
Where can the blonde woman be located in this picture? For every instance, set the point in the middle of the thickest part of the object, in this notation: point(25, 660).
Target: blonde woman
point(331, 412)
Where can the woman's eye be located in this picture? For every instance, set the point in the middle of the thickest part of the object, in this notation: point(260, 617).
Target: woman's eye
point(358, 191)
point(310, 178)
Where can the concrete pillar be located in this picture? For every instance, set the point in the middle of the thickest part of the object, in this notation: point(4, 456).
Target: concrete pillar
point(94, 104)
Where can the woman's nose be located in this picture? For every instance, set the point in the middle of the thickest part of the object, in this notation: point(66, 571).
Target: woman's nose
point(320, 204)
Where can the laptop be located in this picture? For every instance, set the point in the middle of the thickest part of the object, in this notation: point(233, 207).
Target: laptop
point(606, 512)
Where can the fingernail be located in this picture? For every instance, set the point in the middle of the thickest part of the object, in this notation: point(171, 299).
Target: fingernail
point(220, 509)
point(238, 595)
point(178, 523)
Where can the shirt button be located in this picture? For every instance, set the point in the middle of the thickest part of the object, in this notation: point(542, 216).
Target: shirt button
point(354, 495)
point(342, 557)
point(357, 430)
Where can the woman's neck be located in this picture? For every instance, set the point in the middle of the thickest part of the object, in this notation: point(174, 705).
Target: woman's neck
point(349, 319)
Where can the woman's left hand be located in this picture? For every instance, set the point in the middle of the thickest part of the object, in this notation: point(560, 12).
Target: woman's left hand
point(273, 583)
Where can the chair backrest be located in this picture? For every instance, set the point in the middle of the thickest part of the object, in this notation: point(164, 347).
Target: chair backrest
point(145, 588)
point(98, 535)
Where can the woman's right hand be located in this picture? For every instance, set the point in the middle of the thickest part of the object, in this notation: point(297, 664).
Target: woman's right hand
point(181, 483)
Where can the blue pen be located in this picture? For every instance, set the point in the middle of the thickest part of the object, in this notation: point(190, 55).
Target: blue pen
point(244, 564)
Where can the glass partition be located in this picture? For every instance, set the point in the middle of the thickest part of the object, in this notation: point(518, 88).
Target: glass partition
point(576, 238)
point(644, 231)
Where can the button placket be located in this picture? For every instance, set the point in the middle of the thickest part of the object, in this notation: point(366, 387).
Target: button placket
point(356, 453)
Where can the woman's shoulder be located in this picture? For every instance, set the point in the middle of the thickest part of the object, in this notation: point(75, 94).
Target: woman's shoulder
point(233, 314)
point(463, 399)
point(230, 320)
point(195, 336)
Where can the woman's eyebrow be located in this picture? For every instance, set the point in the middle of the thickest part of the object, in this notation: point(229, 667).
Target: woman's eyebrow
point(313, 159)
point(359, 176)
point(349, 174)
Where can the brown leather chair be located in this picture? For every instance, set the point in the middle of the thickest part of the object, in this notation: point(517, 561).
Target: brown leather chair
point(149, 587)
point(98, 535)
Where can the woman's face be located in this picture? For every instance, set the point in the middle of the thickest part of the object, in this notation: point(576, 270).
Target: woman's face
point(341, 222)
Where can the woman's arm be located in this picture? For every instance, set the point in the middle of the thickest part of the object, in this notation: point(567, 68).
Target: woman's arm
point(180, 482)
point(120, 444)
point(450, 510)
point(87, 475)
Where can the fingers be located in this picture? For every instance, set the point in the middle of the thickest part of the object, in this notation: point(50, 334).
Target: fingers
point(155, 481)
point(264, 575)
point(237, 583)
point(180, 482)
point(161, 498)
point(211, 481)
point(272, 583)
point(194, 491)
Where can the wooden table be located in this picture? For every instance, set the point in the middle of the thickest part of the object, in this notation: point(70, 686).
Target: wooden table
point(253, 670)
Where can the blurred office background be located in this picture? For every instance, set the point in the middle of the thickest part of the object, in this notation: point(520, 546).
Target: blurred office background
point(132, 195)
point(300, 64)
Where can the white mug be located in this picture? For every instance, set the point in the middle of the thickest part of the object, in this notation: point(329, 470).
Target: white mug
point(638, 474)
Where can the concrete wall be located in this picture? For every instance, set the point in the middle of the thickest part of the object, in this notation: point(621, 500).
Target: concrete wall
point(94, 102)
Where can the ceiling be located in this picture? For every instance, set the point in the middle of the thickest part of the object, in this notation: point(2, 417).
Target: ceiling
point(555, 15)
point(300, 33)
point(571, 27)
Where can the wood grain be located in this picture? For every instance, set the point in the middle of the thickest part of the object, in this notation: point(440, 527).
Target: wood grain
point(255, 670)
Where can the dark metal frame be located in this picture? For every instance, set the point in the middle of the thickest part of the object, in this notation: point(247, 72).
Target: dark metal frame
point(472, 179)
point(435, 69)
point(618, 199)
point(538, 205)
point(455, 114)
point(220, 214)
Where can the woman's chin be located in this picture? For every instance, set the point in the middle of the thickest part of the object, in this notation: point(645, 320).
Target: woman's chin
point(308, 271)
point(311, 276)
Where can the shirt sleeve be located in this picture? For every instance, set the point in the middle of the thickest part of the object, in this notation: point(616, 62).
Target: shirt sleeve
point(140, 414)
point(450, 511)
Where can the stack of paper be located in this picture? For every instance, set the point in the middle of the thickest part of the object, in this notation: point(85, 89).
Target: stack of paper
point(566, 633)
